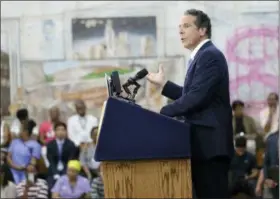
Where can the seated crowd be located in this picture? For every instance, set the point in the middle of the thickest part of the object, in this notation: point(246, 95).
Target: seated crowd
point(56, 160)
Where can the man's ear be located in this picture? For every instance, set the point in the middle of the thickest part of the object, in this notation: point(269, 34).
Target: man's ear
point(202, 31)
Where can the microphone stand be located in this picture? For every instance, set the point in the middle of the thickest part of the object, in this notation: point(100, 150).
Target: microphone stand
point(135, 90)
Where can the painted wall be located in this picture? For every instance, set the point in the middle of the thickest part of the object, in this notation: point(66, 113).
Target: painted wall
point(245, 31)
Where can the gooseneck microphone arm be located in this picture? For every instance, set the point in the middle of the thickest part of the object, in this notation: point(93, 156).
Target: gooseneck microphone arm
point(135, 90)
point(133, 82)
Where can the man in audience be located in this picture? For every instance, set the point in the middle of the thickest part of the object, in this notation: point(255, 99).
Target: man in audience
point(59, 152)
point(46, 128)
point(243, 169)
point(269, 116)
point(242, 122)
point(80, 123)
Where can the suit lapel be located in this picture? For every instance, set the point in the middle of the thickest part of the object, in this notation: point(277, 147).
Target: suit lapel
point(192, 65)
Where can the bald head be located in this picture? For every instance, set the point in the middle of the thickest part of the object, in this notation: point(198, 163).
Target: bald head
point(54, 113)
point(80, 107)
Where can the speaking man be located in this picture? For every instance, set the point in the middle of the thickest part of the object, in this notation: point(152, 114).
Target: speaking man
point(204, 102)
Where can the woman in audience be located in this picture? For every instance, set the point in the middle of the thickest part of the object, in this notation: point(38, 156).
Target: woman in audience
point(23, 152)
point(87, 151)
point(33, 186)
point(72, 185)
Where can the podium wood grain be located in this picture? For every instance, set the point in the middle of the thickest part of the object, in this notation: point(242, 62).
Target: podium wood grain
point(147, 179)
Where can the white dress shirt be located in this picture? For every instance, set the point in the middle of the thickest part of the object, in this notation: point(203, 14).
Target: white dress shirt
point(2, 132)
point(275, 120)
point(78, 127)
point(193, 53)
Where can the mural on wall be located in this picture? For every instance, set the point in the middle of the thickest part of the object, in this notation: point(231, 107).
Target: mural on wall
point(252, 51)
point(48, 84)
point(256, 50)
point(101, 38)
point(42, 38)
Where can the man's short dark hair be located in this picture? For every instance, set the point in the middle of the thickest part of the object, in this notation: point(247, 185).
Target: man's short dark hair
point(60, 124)
point(22, 114)
point(275, 95)
point(202, 20)
point(237, 103)
point(240, 142)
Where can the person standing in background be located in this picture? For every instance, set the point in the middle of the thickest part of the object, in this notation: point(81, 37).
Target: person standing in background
point(269, 116)
point(81, 123)
point(46, 128)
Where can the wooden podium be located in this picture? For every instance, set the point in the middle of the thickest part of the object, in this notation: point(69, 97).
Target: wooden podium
point(143, 154)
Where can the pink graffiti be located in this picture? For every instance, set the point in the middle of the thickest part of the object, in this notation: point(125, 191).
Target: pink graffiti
point(253, 64)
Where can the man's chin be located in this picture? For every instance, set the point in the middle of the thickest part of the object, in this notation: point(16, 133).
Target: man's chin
point(186, 46)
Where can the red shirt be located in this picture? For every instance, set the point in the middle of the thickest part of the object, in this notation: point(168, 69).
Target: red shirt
point(46, 129)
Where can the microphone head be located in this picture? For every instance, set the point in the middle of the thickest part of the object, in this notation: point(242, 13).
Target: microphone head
point(141, 74)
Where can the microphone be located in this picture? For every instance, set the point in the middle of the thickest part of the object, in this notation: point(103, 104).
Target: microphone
point(133, 81)
point(140, 75)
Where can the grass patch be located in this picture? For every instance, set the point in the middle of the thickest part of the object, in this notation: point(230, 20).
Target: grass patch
point(49, 78)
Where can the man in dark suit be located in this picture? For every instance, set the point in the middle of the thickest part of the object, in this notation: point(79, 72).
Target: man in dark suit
point(59, 152)
point(204, 102)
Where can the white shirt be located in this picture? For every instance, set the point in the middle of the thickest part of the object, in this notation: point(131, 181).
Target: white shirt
point(193, 53)
point(79, 127)
point(264, 117)
point(15, 127)
point(2, 132)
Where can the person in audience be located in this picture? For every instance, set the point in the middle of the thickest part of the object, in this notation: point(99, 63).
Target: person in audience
point(81, 123)
point(59, 152)
point(5, 133)
point(269, 116)
point(33, 186)
point(271, 164)
point(46, 128)
point(242, 122)
point(72, 185)
point(7, 185)
point(87, 151)
point(243, 170)
point(23, 152)
point(22, 116)
point(98, 186)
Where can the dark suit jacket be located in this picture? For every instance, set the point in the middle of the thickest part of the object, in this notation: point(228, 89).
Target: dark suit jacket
point(204, 101)
point(69, 152)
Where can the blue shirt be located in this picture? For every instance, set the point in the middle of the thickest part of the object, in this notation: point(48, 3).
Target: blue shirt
point(21, 155)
